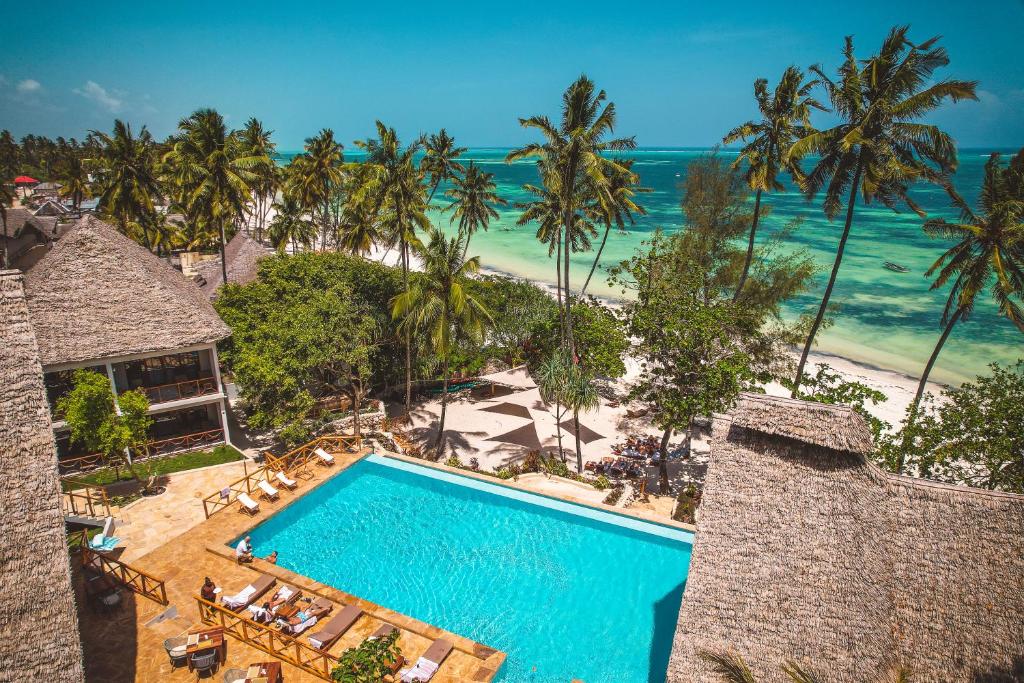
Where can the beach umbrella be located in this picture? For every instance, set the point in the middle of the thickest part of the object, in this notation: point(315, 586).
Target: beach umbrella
point(586, 433)
point(525, 436)
point(506, 408)
point(25, 180)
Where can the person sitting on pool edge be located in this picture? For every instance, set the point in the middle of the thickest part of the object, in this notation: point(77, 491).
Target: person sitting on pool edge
point(307, 614)
point(209, 590)
point(271, 558)
point(243, 553)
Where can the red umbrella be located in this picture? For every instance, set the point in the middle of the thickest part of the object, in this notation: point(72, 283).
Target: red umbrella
point(25, 180)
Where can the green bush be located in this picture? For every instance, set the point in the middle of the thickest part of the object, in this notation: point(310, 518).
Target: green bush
point(601, 483)
point(686, 505)
point(453, 461)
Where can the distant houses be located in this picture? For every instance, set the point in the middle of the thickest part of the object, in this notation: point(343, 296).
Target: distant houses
point(98, 300)
point(28, 237)
point(243, 255)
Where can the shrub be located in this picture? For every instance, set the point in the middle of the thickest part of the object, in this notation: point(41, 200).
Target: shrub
point(601, 483)
point(532, 462)
point(613, 496)
point(369, 661)
point(453, 461)
point(505, 473)
point(686, 505)
point(474, 464)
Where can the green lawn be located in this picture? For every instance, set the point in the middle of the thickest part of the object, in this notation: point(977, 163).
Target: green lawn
point(174, 463)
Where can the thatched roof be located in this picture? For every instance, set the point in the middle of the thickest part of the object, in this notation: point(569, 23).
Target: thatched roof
point(38, 620)
point(243, 256)
point(809, 552)
point(98, 294)
point(20, 220)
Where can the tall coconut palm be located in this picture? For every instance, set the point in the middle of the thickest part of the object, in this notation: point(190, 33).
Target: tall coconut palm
point(359, 232)
point(290, 225)
point(215, 173)
point(393, 189)
point(988, 253)
point(474, 198)
point(126, 177)
point(6, 199)
point(879, 148)
point(785, 118)
point(439, 160)
point(440, 307)
point(546, 211)
point(72, 173)
point(315, 176)
point(255, 140)
point(614, 204)
point(574, 161)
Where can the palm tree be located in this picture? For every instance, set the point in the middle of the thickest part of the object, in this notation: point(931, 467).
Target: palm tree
point(393, 188)
point(315, 176)
point(439, 306)
point(359, 232)
point(6, 199)
point(989, 252)
point(878, 149)
point(214, 172)
point(73, 175)
point(126, 177)
point(290, 225)
point(546, 211)
point(580, 395)
point(255, 141)
point(439, 160)
point(474, 198)
point(785, 118)
point(614, 204)
point(573, 161)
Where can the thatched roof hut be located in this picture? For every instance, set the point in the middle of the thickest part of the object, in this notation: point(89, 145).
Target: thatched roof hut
point(98, 294)
point(38, 621)
point(805, 550)
point(243, 256)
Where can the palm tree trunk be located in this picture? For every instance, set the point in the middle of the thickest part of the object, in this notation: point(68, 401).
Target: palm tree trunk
point(558, 273)
point(663, 457)
point(568, 297)
point(579, 448)
point(558, 429)
point(444, 408)
point(223, 258)
point(750, 246)
point(607, 229)
point(912, 410)
point(831, 281)
point(408, 338)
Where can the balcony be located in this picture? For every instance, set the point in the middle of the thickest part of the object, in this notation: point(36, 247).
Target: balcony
point(177, 391)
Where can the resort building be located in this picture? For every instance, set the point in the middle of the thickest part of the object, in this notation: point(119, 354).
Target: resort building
point(807, 551)
point(38, 619)
point(28, 238)
point(242, 254)
point(99, 300)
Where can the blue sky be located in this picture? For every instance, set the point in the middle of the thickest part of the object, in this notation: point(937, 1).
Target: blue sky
point(680, 74)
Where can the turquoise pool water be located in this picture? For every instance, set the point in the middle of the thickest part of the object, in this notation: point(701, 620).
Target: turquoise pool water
point(566, 591)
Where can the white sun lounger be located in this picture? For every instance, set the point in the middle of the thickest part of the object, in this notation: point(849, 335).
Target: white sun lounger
point(325, 457)
point(301, 626)
point(285, 481)
point(428, 664)
point(248, 504)
point(269, 492)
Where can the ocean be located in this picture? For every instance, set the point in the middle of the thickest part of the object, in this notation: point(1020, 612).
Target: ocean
point(886, 319)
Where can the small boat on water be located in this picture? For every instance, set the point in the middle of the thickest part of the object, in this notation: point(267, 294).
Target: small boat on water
point(896, 268)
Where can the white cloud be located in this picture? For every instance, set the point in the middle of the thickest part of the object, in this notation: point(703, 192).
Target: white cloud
point(98, 94)
point(29, 86)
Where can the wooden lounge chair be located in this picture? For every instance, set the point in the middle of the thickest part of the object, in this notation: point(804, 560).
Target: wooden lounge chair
point(283, 479)
point(325, 637)
point(428, 663)
point(325, 458)
point(267, 491)
point(247, 504)
point(249, 594)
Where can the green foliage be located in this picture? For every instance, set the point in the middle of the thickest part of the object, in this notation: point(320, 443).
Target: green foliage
point(453, 461)
point(972, 436)
point(505, 473)
point(826, 386)
point(601, 483)
point(160, 466)
point(686, 505)
point(520, 313)
point(601, 340)
point(369, 661)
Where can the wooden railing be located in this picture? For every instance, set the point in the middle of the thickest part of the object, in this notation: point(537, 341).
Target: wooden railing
point(179, 390)
point(186, 442)
point(134, 579)
point(299, 458)
point(84, 463)
point(269, 640)
point(225, 497)
point(85, 499)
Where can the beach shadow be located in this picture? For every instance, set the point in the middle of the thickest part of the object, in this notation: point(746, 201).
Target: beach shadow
point(666, 617)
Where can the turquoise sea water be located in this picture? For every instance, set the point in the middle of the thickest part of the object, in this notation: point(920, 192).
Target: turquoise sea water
point(887, 319)
point(563, 594)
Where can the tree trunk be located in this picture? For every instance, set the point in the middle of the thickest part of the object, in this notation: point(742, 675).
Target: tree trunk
point(568, 298)
point(579, 451)
point(831, 282)
point(357, 394)
point(663, 464)
point(558, 430)
point(750, 246)
point(438, 447)
point(223, 258)
point(607, 229)
point(912, 410)
point(558, 274)
point(408, 339)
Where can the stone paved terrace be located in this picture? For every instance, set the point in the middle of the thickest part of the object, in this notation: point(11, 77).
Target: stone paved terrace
point(127, 645)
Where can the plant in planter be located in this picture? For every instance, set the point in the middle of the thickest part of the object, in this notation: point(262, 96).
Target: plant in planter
point(370, 661)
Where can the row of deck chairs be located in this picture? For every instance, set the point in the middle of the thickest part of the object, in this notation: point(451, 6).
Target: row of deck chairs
point(329, 633)
point(270, 493)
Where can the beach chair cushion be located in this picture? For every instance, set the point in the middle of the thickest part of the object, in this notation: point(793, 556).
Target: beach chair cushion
point(101, 542)
point(248, 502)
point(324, 455)
point(248, 594)
point(334, 629)
point(283, 478)
point(428, 664)
point(267, 489)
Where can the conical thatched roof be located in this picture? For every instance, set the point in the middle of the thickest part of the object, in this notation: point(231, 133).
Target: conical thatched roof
point(810, 552)
point(38, 622)
point(98, 294)
point(243, 256)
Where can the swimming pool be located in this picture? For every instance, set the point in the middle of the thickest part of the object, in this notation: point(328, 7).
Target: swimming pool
point(565, 590)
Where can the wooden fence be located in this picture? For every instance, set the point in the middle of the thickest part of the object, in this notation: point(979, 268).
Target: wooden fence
point(179, 390)
point(266, 638)
point(157, 448)
point(224, 498)
point(135, 579)
point(85, 499)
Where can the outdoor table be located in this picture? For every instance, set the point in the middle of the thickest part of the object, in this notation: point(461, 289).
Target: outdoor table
point(287, 611)
point(264, 672)
point(205, 639)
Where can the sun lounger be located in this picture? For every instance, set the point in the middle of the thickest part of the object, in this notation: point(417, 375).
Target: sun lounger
point(247, 504)
point(283, 479)
point(325, 637)
point(287, 593)
point(269, 492)
point(250, 593)
point(301, 626)
point(428, 663)
point(325, 457)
